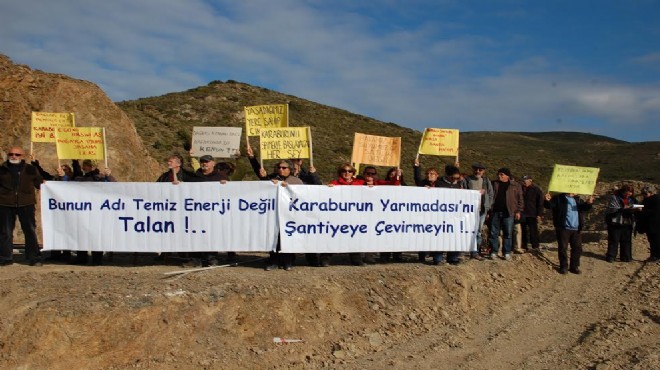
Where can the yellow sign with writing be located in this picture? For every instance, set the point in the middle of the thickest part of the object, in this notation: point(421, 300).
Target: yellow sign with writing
point(44, 125)
point(573, 179)
point(80, 143)
point(376, 150)
point(439, 141)
point(285, 143)
point(265, 116)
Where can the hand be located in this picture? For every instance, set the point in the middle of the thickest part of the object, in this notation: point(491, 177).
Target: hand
point(548, 196)
point(249, 152)
point(399, 172)
point(331, 185)
point(590, 200)
point(262, 172)
point(457, 164)
point(106, 171)
point(275, 181)
point(416, 162)
point(517, 216)
point(60, 172)
point(539, 218)
point(285, 184)
point(223, 182)
point(176, 182)
point(312, 169)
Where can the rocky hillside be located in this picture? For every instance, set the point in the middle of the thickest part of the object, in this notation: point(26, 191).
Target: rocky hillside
point(24, 90)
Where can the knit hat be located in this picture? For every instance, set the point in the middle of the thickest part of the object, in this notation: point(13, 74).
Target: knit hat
point(505, 171)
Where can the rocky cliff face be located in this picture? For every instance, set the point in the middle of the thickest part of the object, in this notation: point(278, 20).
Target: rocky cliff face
point(24, 90)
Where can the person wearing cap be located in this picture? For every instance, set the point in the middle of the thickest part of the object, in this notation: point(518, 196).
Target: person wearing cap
point(18, 181)
point(568, 219)
point(507, 207)
point(207, 170)
point(479, 181)
point(649, 220)
point(533, 198)
point(90, 172)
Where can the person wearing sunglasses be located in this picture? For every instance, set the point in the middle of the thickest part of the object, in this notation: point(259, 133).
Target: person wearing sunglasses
point(18, 181)
point(346, 176)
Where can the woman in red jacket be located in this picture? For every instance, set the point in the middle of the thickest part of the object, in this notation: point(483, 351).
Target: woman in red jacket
point(345, 176)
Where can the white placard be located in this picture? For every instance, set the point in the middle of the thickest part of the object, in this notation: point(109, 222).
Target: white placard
point(218, 142)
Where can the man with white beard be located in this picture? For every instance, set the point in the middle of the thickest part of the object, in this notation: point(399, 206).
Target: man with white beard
point(18, 181)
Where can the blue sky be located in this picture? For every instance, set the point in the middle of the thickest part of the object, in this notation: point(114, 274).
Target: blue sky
point(473, 65)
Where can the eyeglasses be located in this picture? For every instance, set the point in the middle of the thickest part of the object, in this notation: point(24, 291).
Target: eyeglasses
point(455, 177)
point(370, 173)
point(15, 154)
point(347, 171)
point(479, 169)
point(283, 168)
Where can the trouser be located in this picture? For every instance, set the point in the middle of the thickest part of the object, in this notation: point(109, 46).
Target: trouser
point(564, 238)
point(28, 225)
point(619, 237)
point(530, 233)
point(654, 243)
point(501, 221)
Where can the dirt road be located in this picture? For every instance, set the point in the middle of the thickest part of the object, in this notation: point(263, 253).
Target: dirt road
point(478, 315)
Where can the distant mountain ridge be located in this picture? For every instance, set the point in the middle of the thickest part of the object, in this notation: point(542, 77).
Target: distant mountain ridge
point(165, 124)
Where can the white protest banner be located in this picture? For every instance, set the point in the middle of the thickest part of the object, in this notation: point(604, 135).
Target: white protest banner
point(218, 142)
point(338, 219)
point(159, 217)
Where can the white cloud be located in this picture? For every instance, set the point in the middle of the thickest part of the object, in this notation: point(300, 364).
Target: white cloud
point(418, 76)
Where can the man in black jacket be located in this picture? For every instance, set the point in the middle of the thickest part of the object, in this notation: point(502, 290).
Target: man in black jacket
point(649, 220)
point(18, 181)
point(568, 219)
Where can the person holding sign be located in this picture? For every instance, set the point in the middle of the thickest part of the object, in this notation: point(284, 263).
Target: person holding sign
point(346, 176)
point(18, 181)
point(568, 219)
point(92, 173)
point(620, 219)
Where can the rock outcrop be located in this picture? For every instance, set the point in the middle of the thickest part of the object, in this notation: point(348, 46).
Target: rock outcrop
point(24, 90)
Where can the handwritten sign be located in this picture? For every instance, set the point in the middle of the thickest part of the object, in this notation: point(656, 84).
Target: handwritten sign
point(284, 143)
point(573, 179)
point(218, 142)
point(439, 141)
point(265, 116)
point(80, 143)
point(376, 150)
point(44, 125)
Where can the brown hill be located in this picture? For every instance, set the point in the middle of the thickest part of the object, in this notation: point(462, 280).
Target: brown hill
point(23, 90)
point(165, 123)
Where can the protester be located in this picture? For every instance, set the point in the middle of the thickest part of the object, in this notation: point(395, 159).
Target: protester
point(479, 181)
point(620, 219)
point(93, 174)
point(18, 181)
point(345, 176)
point(226, 169)
point(451, 180)
point(394, 178)
point(568, 219)
point(507, 207)
point(649, 221)
point(283, 170)
point(532, 212)
point(431, 180)
point(207, 171)
point(175, 173)
point(307, 176)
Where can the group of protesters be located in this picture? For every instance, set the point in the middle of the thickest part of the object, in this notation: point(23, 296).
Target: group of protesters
point(511, 209)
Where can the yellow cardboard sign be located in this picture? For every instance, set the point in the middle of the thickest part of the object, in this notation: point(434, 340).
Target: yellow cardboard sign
point(44, 125)
point(439, 141)
point(80, 143)
point(573, 179)
point(265, 116)
point(376, 150)
point(284, 143)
